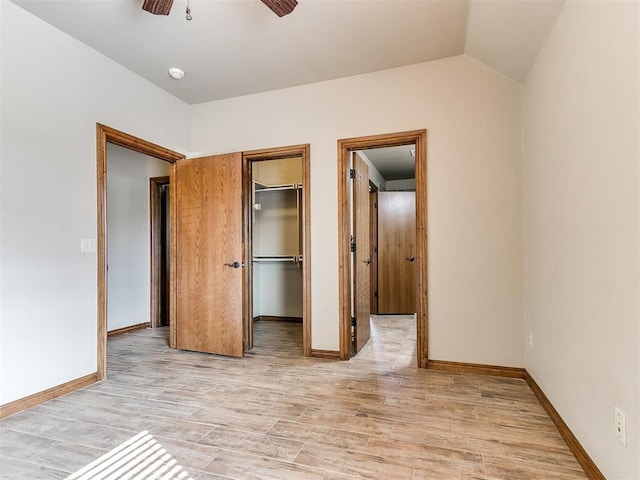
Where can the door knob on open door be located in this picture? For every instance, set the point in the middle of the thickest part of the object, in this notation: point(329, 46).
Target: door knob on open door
point(410, 259)
point(234, 265)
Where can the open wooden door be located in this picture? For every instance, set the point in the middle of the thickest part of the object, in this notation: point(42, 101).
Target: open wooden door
point(210, 263)
point(362, 260)
point(396, 252)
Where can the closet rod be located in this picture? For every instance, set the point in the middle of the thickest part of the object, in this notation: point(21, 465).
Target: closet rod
point(277, 258)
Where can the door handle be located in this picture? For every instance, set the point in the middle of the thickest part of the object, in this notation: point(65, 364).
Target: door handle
point(234, 264)
point(411, 259)
point(367, 261)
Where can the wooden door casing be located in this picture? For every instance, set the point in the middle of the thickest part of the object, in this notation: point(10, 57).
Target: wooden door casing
point(396, 252)
point(209, 300)
point(362, 261)
point(346, 146)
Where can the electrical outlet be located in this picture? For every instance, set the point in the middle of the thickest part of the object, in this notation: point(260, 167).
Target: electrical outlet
point(531, 340)
point(621, 426)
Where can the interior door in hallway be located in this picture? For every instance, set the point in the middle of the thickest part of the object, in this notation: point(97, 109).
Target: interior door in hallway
point(209, 276)
point(361, 257)
point(396, 252)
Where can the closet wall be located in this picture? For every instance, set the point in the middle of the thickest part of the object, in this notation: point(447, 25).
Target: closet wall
point(277, 238)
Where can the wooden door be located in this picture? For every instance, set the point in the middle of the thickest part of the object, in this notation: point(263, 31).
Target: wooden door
point(361, 259)
point(209, 251)
point(373, 251)
point(396, 252)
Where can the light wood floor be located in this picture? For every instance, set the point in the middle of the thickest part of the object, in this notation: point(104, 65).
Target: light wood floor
point(277, 415)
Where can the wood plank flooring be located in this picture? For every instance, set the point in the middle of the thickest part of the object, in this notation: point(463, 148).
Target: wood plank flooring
point(277, 415)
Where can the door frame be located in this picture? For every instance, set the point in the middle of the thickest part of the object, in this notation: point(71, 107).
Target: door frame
point(345, 146)
point(155, 208)
point(293, 151)
point(104, 135)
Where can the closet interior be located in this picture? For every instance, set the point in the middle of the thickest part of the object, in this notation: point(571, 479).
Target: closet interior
point(277, 239)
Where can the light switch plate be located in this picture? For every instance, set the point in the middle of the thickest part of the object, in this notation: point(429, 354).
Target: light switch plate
point(88, 245)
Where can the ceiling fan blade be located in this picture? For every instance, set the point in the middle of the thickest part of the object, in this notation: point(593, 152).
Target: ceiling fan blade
point(157, 7)
point(281, 7)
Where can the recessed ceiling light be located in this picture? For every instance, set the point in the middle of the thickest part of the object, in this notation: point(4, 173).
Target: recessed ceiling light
point(176, 73)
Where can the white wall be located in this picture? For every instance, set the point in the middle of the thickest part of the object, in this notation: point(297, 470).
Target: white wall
point(581, 219)
point(374, 173)
point(129, 235)
point(278, 289)
point(54, 90)
point(2, 367)
point(474, 188)
point(280, 171)
point(406, 184)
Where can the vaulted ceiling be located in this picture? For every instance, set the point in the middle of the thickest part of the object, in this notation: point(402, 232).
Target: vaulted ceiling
point(239, 47)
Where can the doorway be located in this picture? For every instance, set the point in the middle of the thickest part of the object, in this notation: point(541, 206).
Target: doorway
point(160, 235)
point(277, 233)
point(276, 246)
point(107, 135)
point(351, 290)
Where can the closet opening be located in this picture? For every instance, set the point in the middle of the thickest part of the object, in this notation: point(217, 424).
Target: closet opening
point(277, 276)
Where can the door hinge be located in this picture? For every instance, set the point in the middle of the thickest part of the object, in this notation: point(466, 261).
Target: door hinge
point(353, 246)
point(375, 294)
point(352, 173)
point(375, 204)
point(375, 249)
point(353, 321)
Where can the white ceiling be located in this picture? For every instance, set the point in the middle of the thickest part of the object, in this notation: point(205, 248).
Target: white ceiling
point(393, 163)
point(238, 47)
point(507, 35)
